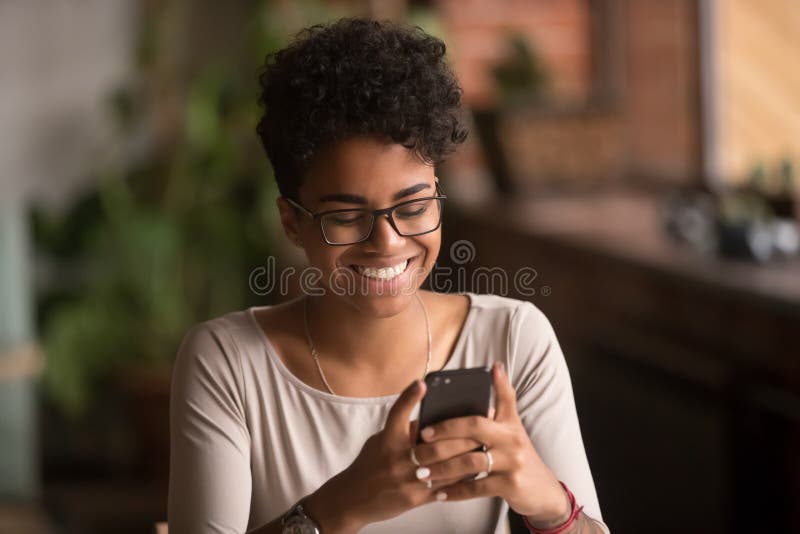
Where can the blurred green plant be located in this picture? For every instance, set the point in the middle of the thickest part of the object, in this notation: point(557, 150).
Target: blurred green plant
point(521, 77)
point(164, 242)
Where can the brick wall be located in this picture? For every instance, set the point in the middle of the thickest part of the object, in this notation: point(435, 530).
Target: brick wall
point(477, 33)
point(661, 89)
point(640, 56)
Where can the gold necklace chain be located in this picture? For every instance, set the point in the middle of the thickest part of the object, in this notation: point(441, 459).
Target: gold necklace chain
point(316, 356)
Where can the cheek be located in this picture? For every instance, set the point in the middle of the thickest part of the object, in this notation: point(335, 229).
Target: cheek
point(325, 257)
point(321, 256)
point(432, 245)
point(335, 265)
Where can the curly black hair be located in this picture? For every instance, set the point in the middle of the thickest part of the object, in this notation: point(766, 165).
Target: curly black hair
point(357, 77)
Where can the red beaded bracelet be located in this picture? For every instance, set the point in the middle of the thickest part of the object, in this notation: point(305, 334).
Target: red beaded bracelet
point(561, 528)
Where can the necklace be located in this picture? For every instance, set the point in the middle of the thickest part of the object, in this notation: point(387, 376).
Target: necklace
point(316, 357)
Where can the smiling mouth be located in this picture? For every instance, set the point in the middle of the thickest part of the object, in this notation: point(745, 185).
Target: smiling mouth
point(383, 273)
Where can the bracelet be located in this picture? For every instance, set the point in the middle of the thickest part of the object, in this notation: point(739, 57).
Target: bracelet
point(575, 510)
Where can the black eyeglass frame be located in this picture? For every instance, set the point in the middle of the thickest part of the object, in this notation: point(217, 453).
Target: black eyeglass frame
point(385, 212)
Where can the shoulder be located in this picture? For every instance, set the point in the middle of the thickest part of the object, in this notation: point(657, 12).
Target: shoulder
point(208, 391)
point(515, 331)
point(221, 334)
point(218, 347)
point(515, 314)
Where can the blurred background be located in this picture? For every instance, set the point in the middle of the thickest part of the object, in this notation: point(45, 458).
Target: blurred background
point(637, 158)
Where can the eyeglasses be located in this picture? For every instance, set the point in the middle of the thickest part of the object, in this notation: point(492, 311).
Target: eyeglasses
point(349, 226)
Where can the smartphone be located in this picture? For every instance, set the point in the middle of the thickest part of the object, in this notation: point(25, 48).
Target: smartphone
point(455, 393)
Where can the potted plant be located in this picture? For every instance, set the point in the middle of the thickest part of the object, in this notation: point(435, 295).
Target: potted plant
point(164, 241)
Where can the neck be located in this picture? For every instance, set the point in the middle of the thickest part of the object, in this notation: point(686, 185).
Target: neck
point(347, 336)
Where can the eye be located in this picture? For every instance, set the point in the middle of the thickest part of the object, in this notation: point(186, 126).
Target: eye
point(410, 212)
point(346, 219)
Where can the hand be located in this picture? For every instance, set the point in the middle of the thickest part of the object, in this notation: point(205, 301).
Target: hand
point(382, 483)
point(518, 473)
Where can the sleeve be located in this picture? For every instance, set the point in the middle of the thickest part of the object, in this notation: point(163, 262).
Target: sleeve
point(209, 479)
point(546, 404)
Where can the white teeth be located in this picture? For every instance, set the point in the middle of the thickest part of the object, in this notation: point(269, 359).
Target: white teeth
point(384, 273)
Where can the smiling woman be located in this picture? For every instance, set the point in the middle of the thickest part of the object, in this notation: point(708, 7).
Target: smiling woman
point(300, 417)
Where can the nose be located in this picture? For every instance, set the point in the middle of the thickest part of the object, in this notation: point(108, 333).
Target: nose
point(384, 236)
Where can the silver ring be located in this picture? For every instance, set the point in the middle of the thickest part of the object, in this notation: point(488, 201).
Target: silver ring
point(429, 483)
point(414, 457)
point(490, 463)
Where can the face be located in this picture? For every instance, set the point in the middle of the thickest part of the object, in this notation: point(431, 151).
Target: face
point(367, 174)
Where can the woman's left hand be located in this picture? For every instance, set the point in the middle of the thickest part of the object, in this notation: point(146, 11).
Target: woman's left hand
point(518, 473)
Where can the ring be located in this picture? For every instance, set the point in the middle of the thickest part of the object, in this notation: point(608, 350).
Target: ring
point(414, 457)
point(429, 483)
point(489, 461)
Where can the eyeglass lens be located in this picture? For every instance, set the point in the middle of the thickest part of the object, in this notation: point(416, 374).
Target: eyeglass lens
point(410, 218)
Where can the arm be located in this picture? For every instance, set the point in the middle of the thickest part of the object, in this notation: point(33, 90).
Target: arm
point(582, 524)
point(321, 506)
point(545, 402)
point(210, 480)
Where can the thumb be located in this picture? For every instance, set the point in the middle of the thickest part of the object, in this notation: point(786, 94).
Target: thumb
point(397, 421)
point(505, 396)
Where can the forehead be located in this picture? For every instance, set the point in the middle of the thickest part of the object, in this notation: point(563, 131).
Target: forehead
point(363, 166)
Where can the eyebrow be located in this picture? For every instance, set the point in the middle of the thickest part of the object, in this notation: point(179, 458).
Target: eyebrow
point(357, 199)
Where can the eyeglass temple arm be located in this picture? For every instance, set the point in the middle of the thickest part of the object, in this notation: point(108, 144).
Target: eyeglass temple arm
point(298, 206)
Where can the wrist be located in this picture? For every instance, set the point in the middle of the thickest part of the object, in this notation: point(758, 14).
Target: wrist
point(553, 524)
point(329, 515)
point(556, 513)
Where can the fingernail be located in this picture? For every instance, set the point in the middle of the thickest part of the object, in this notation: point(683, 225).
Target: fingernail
point(502, 368)
point(423, 472)
point(427, 433)
point(441, 496)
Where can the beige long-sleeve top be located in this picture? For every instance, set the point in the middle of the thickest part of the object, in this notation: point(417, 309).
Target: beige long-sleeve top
point(249, 438)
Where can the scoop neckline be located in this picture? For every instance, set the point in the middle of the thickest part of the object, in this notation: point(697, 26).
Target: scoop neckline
point(383, 399)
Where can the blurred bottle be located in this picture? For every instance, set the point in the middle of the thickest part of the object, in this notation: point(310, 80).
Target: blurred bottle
point(782, 202)
point(781, 199)
point(743, 225)
point(758, 180)
point(689, 217)
point(744, 219)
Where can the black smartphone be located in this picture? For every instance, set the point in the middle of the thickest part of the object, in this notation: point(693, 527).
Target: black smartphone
point(455, 393)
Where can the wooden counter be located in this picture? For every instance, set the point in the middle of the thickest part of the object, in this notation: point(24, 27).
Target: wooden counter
point(686, 367)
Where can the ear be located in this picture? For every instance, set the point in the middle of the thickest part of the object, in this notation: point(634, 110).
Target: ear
point(289, 221)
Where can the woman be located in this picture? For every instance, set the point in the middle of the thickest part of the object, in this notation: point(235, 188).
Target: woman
point(296, 417)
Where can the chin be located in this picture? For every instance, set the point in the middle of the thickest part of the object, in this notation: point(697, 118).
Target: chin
point(378, 297)
point(382, 306)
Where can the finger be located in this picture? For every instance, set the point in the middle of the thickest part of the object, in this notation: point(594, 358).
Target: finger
point(468, 464)
point(474, 427)
point(397, 421)
point(413, 427)
point(468, 489)
point(506, 397)
point(428, 453)
point(438, 484)
point(434, 488)
point(491, 413)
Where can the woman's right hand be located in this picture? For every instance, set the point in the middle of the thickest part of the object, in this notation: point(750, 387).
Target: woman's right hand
point(382, 483)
